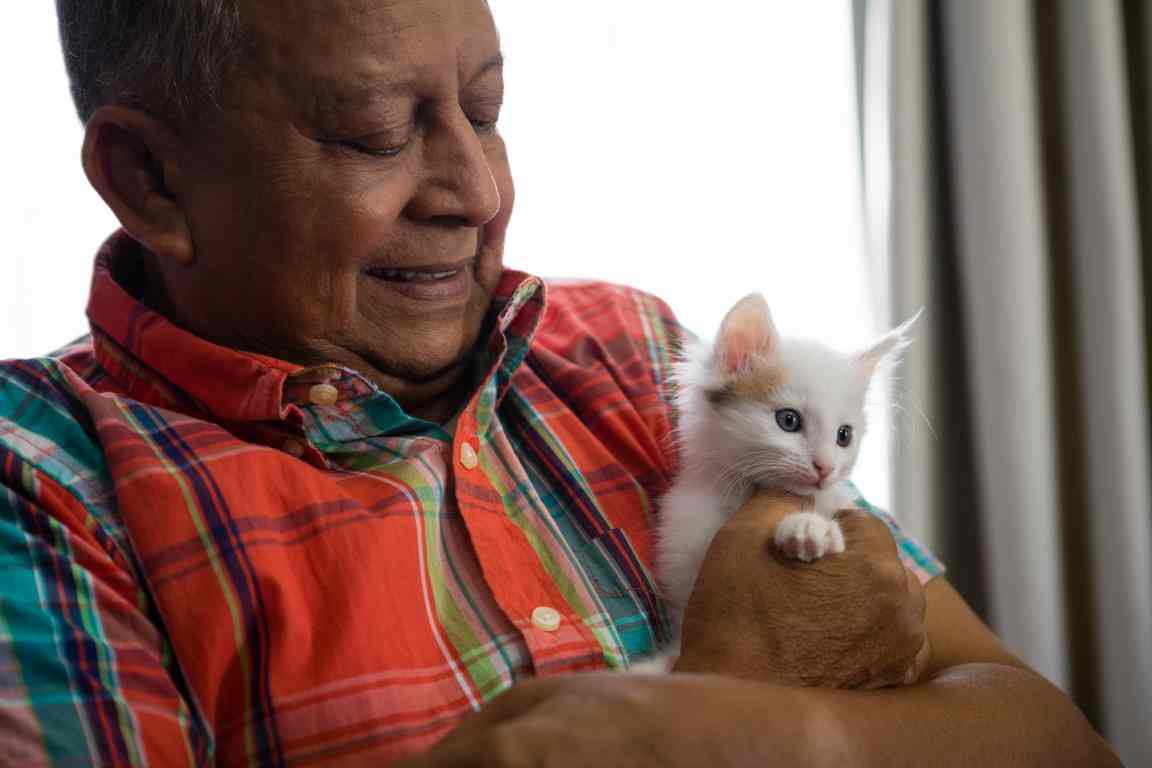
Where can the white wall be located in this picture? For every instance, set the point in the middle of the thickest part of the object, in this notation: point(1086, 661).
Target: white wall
point(699, 151)
point(51, 220)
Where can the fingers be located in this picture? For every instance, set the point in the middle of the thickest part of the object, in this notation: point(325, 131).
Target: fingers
point(501, 733)
point(907, 640)
point(916, 591)
point(766, 509)
point(919, 607)
point(459, 748)
point(866, 532)
point(920, 663)
point(464, 753)
point(509, 705)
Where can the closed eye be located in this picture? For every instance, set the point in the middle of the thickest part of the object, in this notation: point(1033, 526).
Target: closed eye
point(365, 148)
point(484, 126)
point(374, 151)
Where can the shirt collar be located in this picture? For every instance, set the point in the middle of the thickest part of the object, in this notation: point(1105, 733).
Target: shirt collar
point(159, 363)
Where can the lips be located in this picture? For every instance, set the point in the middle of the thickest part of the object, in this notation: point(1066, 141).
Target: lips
point(409, 276)
point(429, 282)
point(428, 273)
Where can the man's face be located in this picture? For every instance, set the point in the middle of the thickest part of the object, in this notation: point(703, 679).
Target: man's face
point(349, 202)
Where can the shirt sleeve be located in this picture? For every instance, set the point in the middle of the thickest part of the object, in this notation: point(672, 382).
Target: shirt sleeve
point(86, 673)
point(917, 557)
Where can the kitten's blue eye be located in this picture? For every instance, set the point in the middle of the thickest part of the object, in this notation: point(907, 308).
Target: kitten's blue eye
point(844, 436)
point(789, 420)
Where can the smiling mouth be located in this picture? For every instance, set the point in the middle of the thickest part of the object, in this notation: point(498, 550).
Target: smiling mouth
point(415, 275)
point(446, 282)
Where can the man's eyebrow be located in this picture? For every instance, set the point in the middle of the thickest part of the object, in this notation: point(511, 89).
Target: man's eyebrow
point(334, 98)
point(337, 97)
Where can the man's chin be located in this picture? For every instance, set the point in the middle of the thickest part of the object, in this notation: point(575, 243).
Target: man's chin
point(427, 371)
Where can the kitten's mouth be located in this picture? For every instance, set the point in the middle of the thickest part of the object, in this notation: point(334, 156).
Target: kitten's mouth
point(808, 487)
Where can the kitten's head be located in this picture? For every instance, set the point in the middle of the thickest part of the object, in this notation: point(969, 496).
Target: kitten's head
point(776, 412)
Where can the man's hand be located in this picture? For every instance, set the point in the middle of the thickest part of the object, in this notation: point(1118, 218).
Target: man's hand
point(853, 620)
point(634, 720)
point(979, 703)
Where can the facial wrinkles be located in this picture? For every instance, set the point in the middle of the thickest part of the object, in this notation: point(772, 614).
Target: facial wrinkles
point(340, 211)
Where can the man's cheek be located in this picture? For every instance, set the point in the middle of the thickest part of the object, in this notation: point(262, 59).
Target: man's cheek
point(369, 217)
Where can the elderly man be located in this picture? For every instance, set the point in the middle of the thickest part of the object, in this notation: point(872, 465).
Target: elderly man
point(328, 485)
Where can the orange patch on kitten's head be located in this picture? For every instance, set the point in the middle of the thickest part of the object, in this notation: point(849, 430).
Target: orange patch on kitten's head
point(758, 382)
point(745, 354)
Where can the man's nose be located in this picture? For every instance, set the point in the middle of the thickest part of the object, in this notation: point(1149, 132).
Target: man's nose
point(458, 183)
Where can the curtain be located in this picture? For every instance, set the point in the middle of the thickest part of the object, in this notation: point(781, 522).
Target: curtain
point(1008, 182)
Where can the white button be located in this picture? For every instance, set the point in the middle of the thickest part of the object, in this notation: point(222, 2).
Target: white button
point(324, 394)
point(545, 618)
point(468, 456)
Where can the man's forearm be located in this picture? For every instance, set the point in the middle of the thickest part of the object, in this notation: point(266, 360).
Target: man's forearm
point(976, 714)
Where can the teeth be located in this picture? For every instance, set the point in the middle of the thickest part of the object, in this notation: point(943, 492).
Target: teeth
point(427, 277)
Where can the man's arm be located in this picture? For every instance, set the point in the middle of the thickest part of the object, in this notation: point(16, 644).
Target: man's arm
point(770, 648)
point(980, 707)
point(85, 681)
point(978, 704)
point(860, 621)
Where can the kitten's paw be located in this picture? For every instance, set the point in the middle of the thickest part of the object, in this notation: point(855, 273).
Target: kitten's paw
point(807, 536)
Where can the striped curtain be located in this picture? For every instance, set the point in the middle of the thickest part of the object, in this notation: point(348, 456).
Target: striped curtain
point(1008, 182)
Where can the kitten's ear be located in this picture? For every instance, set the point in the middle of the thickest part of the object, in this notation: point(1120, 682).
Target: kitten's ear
point(747, 332)
point(889, 348)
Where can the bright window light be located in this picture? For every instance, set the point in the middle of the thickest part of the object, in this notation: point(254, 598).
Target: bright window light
point(695, 151)
point(699, 152)
point(52, 220)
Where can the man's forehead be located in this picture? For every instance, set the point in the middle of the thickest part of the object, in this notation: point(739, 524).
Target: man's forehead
point(360, 39)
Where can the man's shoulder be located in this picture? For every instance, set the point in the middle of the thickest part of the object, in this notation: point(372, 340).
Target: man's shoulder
point(621, 318)
point(600, 340)
point(39, 390)
point(46, 427)
point(580, 295)
point(54, 380)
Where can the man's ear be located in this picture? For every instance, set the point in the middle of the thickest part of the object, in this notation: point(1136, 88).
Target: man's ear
point(132, 160)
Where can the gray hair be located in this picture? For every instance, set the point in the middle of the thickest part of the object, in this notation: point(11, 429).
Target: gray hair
point(163, 54)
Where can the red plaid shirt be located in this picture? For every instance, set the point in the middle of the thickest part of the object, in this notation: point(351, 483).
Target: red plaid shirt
point(211, 556)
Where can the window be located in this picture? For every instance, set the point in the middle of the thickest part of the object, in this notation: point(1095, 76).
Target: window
point(698, 152)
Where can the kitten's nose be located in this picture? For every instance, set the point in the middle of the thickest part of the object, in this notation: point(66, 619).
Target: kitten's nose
point(822, 470)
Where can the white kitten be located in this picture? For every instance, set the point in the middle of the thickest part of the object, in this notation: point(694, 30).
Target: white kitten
point(759, 411)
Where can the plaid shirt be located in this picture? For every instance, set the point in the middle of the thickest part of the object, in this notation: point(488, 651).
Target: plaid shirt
point(213, 557)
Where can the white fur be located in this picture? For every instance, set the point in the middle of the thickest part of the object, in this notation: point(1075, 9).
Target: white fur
point(732, 448)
